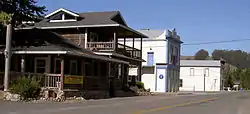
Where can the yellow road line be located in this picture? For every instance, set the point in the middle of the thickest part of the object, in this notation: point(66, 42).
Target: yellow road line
point(172, 106)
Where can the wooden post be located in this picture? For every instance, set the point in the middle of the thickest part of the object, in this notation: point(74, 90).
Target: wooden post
point(86, 38)
point(62, 73)
point(115, 41)
point(22, 64)
point(133, 47)
point(7, 53)
point(124, 43)
point(140, 65)
point(141, 49)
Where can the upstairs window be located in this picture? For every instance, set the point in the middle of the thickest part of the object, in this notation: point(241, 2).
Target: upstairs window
point(150, 59)
point(63, 17)
point(191, 71)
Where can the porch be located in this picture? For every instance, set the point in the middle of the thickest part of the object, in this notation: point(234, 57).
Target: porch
point(69, 73)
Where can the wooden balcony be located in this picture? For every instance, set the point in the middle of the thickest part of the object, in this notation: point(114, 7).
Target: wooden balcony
point(110, 46)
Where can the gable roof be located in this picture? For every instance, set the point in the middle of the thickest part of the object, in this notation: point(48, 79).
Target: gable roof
point(64, 10)
point(87, 19)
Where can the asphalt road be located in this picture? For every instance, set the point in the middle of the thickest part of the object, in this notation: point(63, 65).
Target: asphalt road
point(222, 103)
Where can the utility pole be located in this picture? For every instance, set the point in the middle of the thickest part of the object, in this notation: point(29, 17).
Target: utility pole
point(7, 54)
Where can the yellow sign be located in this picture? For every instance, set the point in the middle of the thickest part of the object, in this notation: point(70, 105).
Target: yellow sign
point(73, 79)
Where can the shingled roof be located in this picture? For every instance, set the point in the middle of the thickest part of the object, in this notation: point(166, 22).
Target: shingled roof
point(85, 18)
point(82, 20)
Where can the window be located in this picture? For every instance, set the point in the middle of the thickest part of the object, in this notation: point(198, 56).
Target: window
point(180, 83)
point(206, 72)
point(87, 67)
point(93, 37)
point(119, 71)
point(57, 66)
point(150, 59)
point(63, 17)
point(73, 67)
point(41, 65)
point(191, 71)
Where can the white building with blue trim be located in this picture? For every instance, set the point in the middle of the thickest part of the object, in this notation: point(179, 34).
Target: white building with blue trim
point(161, 52)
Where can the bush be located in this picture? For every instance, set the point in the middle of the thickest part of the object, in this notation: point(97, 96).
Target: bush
point(26, 87)
point(140, 85)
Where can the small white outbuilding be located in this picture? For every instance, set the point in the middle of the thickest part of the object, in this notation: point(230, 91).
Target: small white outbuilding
point(200, 75)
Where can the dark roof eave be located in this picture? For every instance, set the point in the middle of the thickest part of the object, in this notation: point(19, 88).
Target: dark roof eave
point(97, 57)
point(79, 26)
point(134, 31)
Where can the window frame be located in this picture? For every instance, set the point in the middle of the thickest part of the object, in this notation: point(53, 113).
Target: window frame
point(70, 65)
point(56, 59)
point(190, 72)
point(206, 72)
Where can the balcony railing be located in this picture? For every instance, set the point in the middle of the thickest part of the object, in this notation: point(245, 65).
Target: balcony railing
point(110, 46)
point(98, 46)
point(130, 51)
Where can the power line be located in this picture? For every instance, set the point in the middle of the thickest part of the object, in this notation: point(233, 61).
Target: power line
point(216, 42)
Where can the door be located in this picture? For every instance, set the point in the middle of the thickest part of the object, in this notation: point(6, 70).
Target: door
point(161, 80)
point(41, 65)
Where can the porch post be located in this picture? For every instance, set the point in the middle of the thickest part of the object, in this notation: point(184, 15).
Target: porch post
point(49, 62)
point(141, 49)
point(140, 65)
point(22, 64)
point(86, 38)
point(62, 73)
point(115, 41)
point(133, 47)
point(124, 43)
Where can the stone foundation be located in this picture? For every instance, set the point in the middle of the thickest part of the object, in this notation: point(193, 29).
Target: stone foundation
point(52, 94)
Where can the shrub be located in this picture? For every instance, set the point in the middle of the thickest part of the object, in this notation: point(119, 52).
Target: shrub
point(26, 87)
point(140, 85)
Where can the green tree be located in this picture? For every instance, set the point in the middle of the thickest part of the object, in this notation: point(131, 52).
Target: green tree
point(228, 80)
point(245, 78)
point(201, 55)
point(238, 58)
point(22, 10)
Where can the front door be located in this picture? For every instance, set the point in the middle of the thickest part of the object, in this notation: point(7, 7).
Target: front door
point(41, 65)
point(160, 80)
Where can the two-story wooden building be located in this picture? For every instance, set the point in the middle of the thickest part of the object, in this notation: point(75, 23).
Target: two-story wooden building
point(81, 48)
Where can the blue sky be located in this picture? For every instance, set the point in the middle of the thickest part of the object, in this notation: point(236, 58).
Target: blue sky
point(195, 20)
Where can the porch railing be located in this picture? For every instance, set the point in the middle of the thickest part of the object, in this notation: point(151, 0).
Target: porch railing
point(97, 46)
point(52, 80)
point(130, 51)
point(47, 80)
